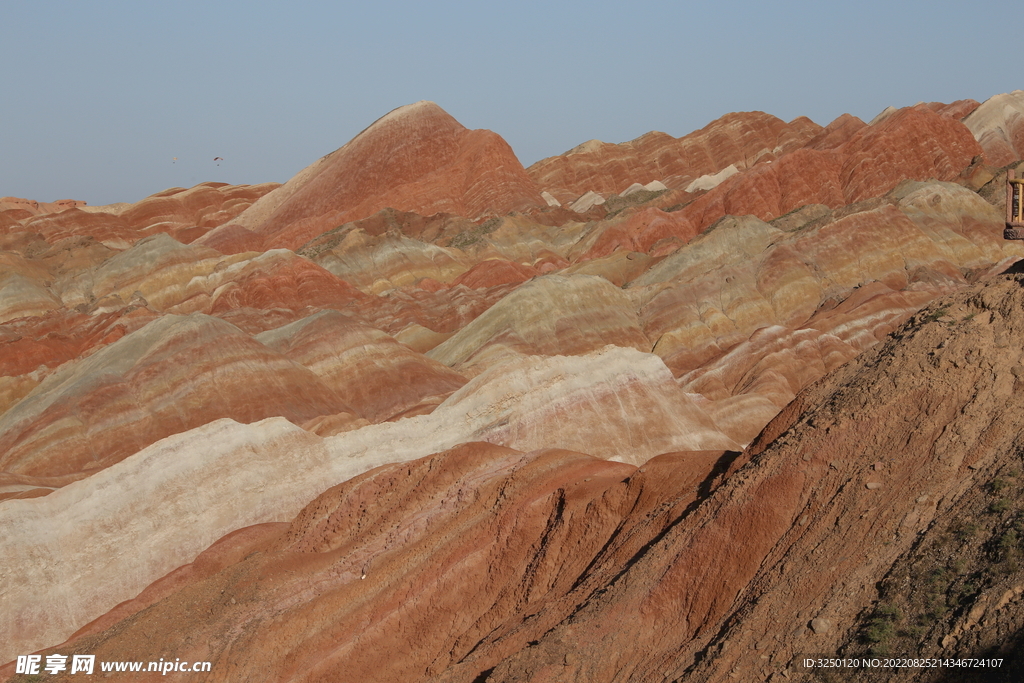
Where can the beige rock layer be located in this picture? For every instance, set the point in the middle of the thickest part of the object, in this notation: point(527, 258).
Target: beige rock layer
point(173, 375)
point(998, 124)
point(552, 315)
point(376, 264)
point(368, 369)
point(169, 276)
point(484, 564)
point(123, 524)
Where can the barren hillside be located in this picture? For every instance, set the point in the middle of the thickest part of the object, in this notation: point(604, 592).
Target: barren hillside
point(677, 409)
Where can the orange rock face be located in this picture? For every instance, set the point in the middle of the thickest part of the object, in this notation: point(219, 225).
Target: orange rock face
point(495, 272)
point(232, 239)
point(50, 340)
point(836, 133)
point(913, 143)
point(340, 557)
point(527, 443)
point(955, 110)
point(741, 139)
point(485, 563)
point(416, 158)
point(640, 231)
point(282, 282)
point(101, 410)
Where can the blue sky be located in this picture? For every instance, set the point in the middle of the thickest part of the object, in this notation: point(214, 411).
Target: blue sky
point(99, 96)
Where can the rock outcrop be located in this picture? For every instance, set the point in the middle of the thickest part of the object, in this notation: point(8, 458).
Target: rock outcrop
point(416, 158)
point(380, 378)
point(738, 140)
point(453, 599)
point(406, 417)
point(998, 125)
point(553, 315)
point(35, 208)
point(184, 214)
point(577, 403)
point(914, 143)
point(494, 272)
point(550, 565)
point(174, 374)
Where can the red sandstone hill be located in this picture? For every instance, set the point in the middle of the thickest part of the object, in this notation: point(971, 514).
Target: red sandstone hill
point(35, 208)
point(184, 214)
point(740, 139)
point(416, 158)
point(483, 563)
point(847, 165)
point(208, 441)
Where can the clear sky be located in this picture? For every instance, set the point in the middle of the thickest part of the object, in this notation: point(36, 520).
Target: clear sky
point(98, 97)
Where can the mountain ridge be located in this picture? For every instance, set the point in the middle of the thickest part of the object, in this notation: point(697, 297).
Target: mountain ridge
point(407, 403)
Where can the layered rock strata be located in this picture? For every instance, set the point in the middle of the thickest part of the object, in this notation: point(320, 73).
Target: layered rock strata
point(471, 409)
point(739, 139)
point(701, 557)
point(416, 158)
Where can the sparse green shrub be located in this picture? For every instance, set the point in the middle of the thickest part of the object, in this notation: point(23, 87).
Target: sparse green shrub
point(1009, 540)
point(472, 236)
point(935, 315)
point(1008, 549)
point(614, 204)
point(938, 579)
point(881, 628)
point(934, 609)
point(963, 530)
point(999, 506)
point(915, 632)
point(891, 612)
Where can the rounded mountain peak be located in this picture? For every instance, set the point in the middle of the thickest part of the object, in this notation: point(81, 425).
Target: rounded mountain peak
point(414, 158)
point(418, 118)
